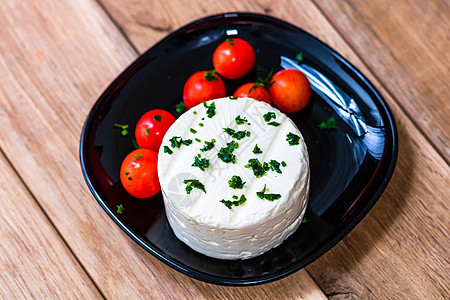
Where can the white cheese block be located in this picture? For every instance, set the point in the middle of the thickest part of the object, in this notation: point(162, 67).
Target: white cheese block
point(200, 219)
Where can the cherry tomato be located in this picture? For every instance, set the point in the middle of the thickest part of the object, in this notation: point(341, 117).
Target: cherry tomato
point(139, 174)
point(152, 127)
point(202, 86)
point(290, 90)
point(233, 58)
point(254, 91)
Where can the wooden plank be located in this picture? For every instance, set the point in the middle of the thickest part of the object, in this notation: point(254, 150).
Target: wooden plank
point(400, 248)
point(53, 67)
point(35, 261)
point(405, 43)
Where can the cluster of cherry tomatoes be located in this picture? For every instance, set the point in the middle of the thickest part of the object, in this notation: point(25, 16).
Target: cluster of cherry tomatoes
point(289, 90)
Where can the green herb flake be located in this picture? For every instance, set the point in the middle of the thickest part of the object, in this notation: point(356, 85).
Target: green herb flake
point(181, 108)
point(200, 162)
point(120, 209)
point(193, 183)
point(208, 145)
point(271, 197)
point(176, 141)
point(147, 131)
point(329, 124)
point(283, 163)
point(273, 123)
point(305, 220)
point(124, 131)
point(198, 140)
point(157, 118)
point(167, 150)
point(257, 150)
point(137, 157)
point(299, 57)
point(275, 166)
point(269, 116)
point(230, 203)
point(126, 173)
point(235, 197)
point(240, 120)
point(210, 110)
point(257, 167)
point(201, 124)
point(135, 144)
point(232, 97)
point(129, 178)
point(292, 139)
point(237, 134)
point(226, 152)
point(236, 182)
point(194, 112)
point(193, 130)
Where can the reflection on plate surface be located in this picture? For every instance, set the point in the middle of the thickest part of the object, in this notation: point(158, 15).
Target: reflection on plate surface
point(350, 166)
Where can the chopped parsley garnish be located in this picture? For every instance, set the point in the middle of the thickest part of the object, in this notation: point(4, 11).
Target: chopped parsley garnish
point(198, 140)
point(176, 142)
point(328, 124)
point(124, 131)
point(305, 220)
point(230, 203)
point(257, 167)
point(167, 150)
point(193, 183)
point(147, 131)
point(120, 209)
point(273, 123)
point(126, 173)
point(233, 97)
point(135, 144)
point(193, 130)
point(157, 118)
point(240, 120)
point(292, 139)
point(270, 197)
point(269, 116)
point(299, 57)
point(283, 163)
point(237, 134)
point(275, 166)
point(181, 108)
point(210, 110)
point(226, 152)
point(230, 41)
point(201, 124)
point(137, 157)
point(194, 112)
point(202, 163)
point(236, 182)
point(257, 150)
point(208, 145)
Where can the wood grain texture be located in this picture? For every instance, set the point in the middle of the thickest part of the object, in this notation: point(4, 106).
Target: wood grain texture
point(400, 249)
point(406, 44)
point(53, 67)
point(35, 261)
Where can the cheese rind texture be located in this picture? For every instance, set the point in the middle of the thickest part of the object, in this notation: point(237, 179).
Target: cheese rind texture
point(200, 219)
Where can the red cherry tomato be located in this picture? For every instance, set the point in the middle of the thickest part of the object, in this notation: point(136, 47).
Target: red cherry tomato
point(139, 174)
point(233, 58)
point(254, 91)
point(202, 86)
point(290, 90)
point(152, 127)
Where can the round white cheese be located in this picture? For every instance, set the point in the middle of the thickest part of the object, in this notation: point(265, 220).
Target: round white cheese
point(204, 208)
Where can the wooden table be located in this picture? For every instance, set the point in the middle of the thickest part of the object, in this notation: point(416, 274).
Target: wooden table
point(56, 57)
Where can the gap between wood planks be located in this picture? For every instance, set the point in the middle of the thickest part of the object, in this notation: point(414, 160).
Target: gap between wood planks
point(2, 153)
point(385, 87)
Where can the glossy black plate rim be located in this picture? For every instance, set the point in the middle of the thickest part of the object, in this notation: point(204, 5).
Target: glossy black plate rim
point(374, 188)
